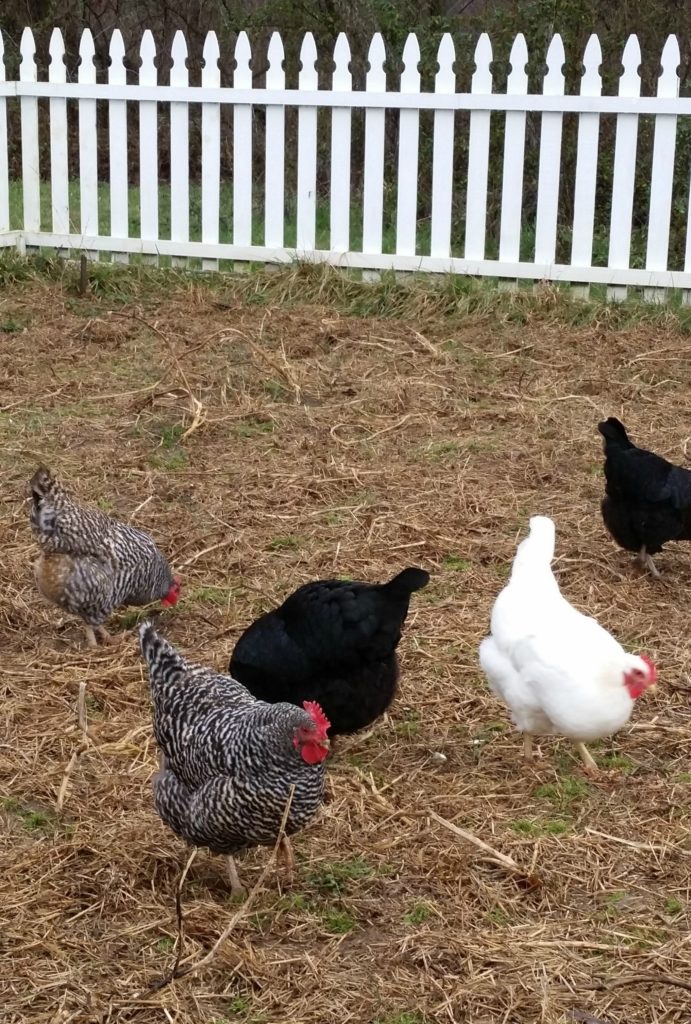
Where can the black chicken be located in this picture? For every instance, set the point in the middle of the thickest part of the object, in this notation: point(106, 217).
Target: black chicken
point(648, 500)
point(333, 642)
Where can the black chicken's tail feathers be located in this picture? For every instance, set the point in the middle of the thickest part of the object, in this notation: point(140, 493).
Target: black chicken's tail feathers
point(408, 581)
point(614, 431)
point(159, 655)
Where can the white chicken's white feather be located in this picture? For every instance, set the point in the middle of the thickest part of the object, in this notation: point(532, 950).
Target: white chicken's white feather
point(559, 671)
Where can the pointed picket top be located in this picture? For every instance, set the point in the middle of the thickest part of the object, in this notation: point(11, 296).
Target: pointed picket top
point(87, 50)
point(147, 53)
point(116, 50)
point(410, 76)
point(308, 77)
point(27, 49)
point(668, 82)
point(56, 51)
point(482, 76)
point(211, 54)
point(179, 74)
point(591, 82)
point(553, 83)
point(275, 75)
point(445, 78)
point(518, 58)
point(376, 55)
point(242, 76)
point(630, 81)
point(342, 78)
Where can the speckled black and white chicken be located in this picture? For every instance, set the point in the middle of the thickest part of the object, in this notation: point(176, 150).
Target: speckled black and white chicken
point(228, 761)
point(90, 564)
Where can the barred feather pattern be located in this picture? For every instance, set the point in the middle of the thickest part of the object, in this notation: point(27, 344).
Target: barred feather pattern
point(90, 563)
point(229, 760)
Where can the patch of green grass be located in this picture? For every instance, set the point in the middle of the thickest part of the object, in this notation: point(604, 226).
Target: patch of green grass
point(334, 878)
point(240, 1004)
point(11, 326)
point(456, 564)
point(673, 906)
point(616, 898)
point(131, 617)
point(275, 389)
point(170, 434)
point(165, 944)
point(338, 922)
point(497, 916)
point(218, 596)
point(439, 449)
point(253, 428)
point(418, 913)
point(169, 461)
point(527, 827)
point(293, 901)
point(292, 543)
point(105, 504)
point(410, 724)
point(682, 777)
point(32, 820)
point(563, 793)
point(622, 764)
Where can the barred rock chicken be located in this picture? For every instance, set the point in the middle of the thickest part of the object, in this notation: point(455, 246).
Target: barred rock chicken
point(91, 564)
point(558, 670)
point(333, 642)
point(648, 499)
point(228, 761)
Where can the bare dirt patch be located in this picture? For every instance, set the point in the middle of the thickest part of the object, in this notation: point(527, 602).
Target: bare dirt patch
point(321, 444)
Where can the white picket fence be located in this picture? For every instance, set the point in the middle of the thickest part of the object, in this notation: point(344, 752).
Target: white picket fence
point(72, 230)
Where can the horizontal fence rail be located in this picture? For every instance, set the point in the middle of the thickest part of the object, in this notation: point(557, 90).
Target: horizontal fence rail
point(425, 176)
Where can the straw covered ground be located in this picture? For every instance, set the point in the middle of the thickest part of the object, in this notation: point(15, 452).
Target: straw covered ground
point(275, 428)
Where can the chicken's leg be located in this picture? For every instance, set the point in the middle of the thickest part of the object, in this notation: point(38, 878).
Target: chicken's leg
point(105, 636)
point(589, 762)
point(237, 889)
point(90, 636)
point(645, 561)
point(527, 746)
point(286, 850)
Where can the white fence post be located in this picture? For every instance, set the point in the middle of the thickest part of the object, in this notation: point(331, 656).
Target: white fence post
point(307, 152)
point(341, 123)
point(373, 183)
point(179, 151)
point(586, 167)
point(242, 148)
point(624, 175)
point(57, 105)
point(274, 172)
point(514, 157)
point(148, 146)
point(211, 149)
point(662, 177)
point(408, 147)
point(442, 154)
point(478, 156)
point(4, 153)
point(117, 146)
point(31, 180)
point(88, 144)
point(550, 159)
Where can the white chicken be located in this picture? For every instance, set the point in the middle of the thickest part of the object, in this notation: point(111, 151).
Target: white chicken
point(558, 670)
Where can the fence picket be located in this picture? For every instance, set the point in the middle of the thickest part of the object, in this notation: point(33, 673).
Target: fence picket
point(274, 174)
point(478, 156)
point(408, 146)
point(442, 154)
point(88, 143)
point(148, 147)
point(31, 181)
point(57, 107)
point(341, 124)
point(242, 148)
point(514, 155)
point(4, 151)
point(373, 184)
point(179, 150)
point(117, 148)
point(624, 174)
point(550, 159)
point(662, 177)
point(586, 167)
point(211, 149)
point(307, 151)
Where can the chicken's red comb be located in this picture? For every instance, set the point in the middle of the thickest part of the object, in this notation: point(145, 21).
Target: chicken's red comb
point(651, 666)
point(316, 714)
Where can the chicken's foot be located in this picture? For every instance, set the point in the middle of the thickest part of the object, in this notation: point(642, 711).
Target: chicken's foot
point(589, 762)
point(237, 889)
point(645, 561)
point(98, 631)
point(90, 636)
